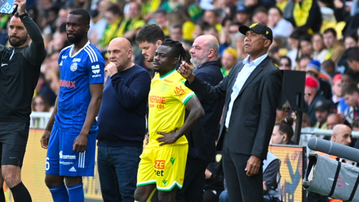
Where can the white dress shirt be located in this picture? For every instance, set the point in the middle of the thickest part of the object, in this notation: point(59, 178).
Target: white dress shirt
point(242, 77)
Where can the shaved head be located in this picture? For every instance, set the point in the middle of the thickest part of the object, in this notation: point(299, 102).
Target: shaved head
point(342, 134)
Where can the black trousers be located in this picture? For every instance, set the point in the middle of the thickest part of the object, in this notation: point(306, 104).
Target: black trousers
point(241, 188)
point(192, 190)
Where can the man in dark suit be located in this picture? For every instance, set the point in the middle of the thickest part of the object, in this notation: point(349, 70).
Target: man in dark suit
point(204, 55)
point(251, 92)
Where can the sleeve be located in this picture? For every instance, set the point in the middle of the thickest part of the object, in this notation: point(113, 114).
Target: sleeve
point(182, 92)
point(36, 53)
point(132, 94)
point(96, 68)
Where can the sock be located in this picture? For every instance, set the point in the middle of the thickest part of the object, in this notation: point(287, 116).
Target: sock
point(76, 193)
point(59, 194)
point(2, 195)
point(20, 193)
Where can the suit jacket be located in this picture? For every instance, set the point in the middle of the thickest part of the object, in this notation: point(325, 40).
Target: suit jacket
point(254, 110)
point(211, 74)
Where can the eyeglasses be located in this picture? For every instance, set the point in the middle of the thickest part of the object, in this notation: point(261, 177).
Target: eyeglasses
point(285, 64)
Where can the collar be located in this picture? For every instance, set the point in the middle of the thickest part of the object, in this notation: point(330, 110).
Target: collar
point(256, 62)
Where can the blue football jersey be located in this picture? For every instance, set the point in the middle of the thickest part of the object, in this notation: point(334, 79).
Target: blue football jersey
point(77, 72)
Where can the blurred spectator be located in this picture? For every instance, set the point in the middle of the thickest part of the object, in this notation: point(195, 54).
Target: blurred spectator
point(114, 17)
point(243, 16)
point(337, 89)
point(281, 115)
point(214, 179)
point(285, 63)
point(211, 17)
point(40, 104)
point(329, 68)
point(59, 40)
point(228, 33)
point(351, 40)
point(160, 17)
point(43, 88)
point(304, 13)
point(85, 4)
point(181, 16)
point(353, 61)
point(149, 7)
point(355, 127)
point(343, 109)
point(279, 25)
point(274, 54)
point(305, 45)
point(333, 120)
point(98, 22)
point(228, 60)
point(351, 96)
point(282, 132)
point(131, 24)
point(303, 62)
point(238, 42)
point(312, 96)
point(342, 134)
point(318, 46)
point(335, 47)
point(176, 32)
point(260, 15)
point(293, 43)
point(313, 68)
point(322, 109)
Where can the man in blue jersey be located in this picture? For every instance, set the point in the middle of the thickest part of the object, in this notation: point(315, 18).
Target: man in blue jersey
point(122, 123)
point(19, 73)
point(71, 143)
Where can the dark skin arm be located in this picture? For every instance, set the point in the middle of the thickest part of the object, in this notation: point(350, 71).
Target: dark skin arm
point(80, 142)
point(46, 136)
point(196, 112)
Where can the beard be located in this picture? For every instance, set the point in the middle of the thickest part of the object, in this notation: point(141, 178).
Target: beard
point(75, 38)
point(19, 41)
point(196, 62)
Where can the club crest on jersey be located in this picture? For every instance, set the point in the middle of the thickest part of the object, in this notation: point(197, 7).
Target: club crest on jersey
point(73, 67)
point(95, 69)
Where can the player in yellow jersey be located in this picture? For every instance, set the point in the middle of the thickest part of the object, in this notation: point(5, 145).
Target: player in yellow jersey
point(163, 162)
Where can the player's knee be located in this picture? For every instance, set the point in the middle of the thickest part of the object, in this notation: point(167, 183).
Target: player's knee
point(53, 181)
point(139, 196)
point(11, 174)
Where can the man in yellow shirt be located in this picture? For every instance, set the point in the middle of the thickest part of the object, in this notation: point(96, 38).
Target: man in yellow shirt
point(163, 161)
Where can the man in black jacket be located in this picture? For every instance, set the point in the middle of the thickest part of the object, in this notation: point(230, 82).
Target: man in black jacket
point(19, 72)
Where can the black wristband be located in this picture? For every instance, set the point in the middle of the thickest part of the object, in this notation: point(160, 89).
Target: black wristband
point(22, 16)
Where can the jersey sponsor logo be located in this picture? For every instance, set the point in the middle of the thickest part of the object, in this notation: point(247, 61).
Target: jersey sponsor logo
point(64, 57)
point(168, 81)
point(73, 67)
point(179, 90)
point(160, 164)
point(68, 84)
point(62, 156)
point(76, 60)
point(161, 101)
point(95, 69)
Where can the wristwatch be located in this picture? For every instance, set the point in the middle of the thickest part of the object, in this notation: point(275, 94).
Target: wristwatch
point(22, 16)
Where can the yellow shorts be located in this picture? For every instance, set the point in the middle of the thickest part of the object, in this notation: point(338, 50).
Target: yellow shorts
point(164, 166)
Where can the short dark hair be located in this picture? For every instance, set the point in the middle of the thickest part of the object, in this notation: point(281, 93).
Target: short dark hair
point(352, 54)
point(150, 33)
point(176, 48)
point(84, 14)
point(331, 30)
point(350, 89)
